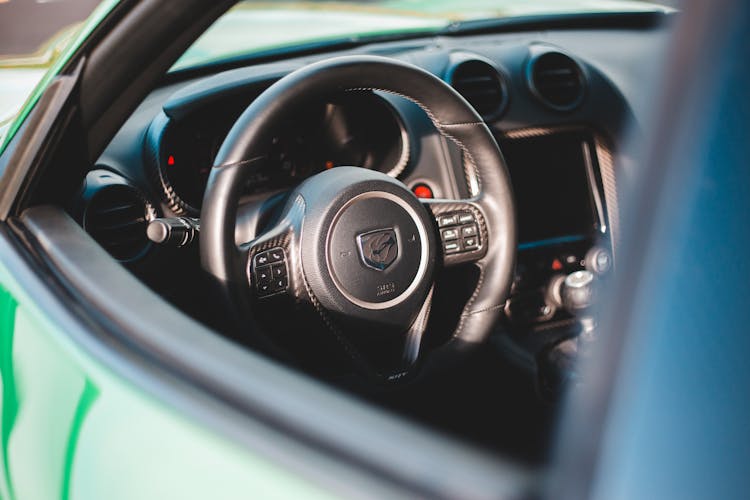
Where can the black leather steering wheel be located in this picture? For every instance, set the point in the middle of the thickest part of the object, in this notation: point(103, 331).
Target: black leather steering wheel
point(356, 245)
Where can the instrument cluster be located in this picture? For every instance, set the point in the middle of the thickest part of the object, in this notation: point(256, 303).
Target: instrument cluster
point(354, 129)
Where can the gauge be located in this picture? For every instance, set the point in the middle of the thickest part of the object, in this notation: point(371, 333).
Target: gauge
point(363, 130)
point(183, 153)
point(356, 129)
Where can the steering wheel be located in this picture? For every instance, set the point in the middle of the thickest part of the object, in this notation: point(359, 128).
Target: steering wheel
point(355, 245)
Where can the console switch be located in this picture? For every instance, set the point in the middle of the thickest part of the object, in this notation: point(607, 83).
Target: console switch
point(470, 230)
point(452, 247)
point(470, 243)
point(278, 270)
point(450, 234)
point(263, 274)
point(465, 218)
point(276, 255)
point(447, 220)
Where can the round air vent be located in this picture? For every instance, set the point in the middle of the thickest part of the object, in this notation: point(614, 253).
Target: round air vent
point(482, 86)
point(556, 80)
point(116, 217)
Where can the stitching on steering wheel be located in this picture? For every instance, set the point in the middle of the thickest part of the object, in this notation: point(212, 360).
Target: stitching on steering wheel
point(242, 162)
point(467, 307)
point(485, 309)
point(440, 127)
point(460, 124)
point(463, 148)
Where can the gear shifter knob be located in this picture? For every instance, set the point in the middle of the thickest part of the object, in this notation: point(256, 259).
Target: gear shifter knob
point(577, 291)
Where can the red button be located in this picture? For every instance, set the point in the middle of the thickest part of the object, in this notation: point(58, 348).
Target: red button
point(557, 265)
point(422, 191)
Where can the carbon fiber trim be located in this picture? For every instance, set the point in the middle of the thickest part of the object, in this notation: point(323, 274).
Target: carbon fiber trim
point(609, 181)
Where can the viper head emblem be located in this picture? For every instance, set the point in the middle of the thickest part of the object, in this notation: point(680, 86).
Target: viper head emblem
point(378, 249)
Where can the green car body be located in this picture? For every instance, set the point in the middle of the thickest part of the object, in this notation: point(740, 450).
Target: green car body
point(71, 428)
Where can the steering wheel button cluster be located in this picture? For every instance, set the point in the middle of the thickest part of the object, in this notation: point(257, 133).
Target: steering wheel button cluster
point(270, 278)
point(461, 233)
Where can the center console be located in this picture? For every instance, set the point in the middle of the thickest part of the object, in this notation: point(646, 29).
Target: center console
point(563, 232)
point(562, 217)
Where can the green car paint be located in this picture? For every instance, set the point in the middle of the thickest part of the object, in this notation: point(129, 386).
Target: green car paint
point(72, 429)
point(9, 398)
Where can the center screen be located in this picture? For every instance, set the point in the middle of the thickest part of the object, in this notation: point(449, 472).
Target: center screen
point(551, 185)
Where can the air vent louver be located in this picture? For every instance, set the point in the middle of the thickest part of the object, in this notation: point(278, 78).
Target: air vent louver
point(116, 217)
point(557, 80)
point(482, 86)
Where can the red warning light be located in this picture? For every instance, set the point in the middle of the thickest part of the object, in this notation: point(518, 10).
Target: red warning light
point(170, 160)
point(422, 191)
point(557, 265)
point(329, 165)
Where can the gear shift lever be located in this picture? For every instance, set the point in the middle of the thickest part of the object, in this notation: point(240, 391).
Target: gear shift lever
point(575, 293)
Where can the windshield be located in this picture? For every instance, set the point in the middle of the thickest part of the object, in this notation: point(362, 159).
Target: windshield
point(34, 33)
point(254, 28)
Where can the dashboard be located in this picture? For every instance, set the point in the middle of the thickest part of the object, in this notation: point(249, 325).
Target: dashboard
point(557, 102)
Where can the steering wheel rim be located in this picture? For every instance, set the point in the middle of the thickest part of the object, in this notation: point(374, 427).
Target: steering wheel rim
point(491, 201)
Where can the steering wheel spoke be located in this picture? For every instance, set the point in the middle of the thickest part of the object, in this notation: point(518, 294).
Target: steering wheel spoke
point(402, 368)
point(413, 341)
point(462, 230)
